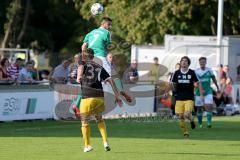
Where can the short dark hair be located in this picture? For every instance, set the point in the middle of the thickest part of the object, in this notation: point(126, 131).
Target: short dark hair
point(3, 61)
point(106, 19)
point(155, 58)
point(19, 59)
point(202, 58)
point(88, 53)
point(187, 58)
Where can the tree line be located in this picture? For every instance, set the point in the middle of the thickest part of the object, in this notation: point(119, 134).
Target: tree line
point(59, 26)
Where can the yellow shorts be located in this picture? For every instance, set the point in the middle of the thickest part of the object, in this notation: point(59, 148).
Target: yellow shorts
point(184, 106)
point(91, 106)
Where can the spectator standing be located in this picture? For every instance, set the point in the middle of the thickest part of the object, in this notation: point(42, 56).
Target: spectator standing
point(154, 71)
point(221, 72)
point(226, 71)
point(227, 91)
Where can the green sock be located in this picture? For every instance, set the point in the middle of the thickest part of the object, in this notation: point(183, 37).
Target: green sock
point(199, 116)
point(119, 84)
point(77, 102)
point(209, 118)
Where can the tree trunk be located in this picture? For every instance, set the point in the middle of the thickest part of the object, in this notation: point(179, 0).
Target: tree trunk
point(9, 30)
point(213, 25)
point(25, 20)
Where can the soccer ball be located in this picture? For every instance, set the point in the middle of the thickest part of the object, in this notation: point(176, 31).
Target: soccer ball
point(96, 8)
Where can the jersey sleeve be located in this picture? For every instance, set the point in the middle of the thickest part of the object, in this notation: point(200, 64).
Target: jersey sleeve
point(108, 38)
point(174, 78)
point(211, 72)
point(104, 75)
point(196, 71)
point(194, 77)
point(86, 39)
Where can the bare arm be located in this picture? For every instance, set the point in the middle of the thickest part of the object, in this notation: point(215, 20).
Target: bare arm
point(1, 77)
point(80, 73)
point(84, 46)
point(114, 87)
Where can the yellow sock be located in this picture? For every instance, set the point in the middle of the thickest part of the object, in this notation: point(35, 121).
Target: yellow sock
point(103, 131)
point(183, 126)
point(86, 134)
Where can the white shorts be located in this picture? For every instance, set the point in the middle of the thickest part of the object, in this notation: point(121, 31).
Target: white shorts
point(208, 99)
point(104, 63)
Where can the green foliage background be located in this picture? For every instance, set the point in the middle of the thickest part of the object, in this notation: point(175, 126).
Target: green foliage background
point(59, 26)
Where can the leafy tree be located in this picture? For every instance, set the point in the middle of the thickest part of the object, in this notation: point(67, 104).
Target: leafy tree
point(143, 22)
point(60, 25)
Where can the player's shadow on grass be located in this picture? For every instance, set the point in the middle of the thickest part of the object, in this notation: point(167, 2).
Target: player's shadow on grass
point(222, 130)
point(179, 153)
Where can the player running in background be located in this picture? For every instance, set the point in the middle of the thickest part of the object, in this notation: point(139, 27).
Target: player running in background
point(90, 75)
point(205, 76)
point(98, 40)
point(183, 83)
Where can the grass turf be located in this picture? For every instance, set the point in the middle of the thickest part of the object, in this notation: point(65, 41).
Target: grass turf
point(52, 140)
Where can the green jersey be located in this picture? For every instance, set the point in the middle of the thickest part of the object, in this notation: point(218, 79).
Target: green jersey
point(205, 77)
point(97, 40)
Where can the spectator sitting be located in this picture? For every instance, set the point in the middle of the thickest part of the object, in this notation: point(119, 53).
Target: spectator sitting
point(45, 77)
point(4, 74)
point(15, 68)
point(41, 72)
point(61, 72)
point(219, 101)
point(25, 75)
point(131, 73)
point(34, 72)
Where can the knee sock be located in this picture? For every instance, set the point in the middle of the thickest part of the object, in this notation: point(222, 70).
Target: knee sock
point(103, 131)
point(183, 126)
point(199, 116)
point(209, 118)
point(86, 134)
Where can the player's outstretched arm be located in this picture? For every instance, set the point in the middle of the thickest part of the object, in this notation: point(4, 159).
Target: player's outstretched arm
point(79, 73)
point(114, 87)
point(84, 46)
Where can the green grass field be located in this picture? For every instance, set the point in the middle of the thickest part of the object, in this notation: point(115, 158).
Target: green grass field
point(51, 140)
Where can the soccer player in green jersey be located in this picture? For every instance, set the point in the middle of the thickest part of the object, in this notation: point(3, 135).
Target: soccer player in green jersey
point(98, 40)
point(205, 76)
